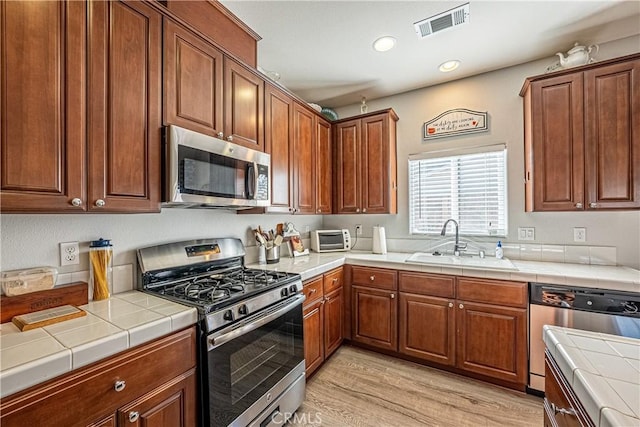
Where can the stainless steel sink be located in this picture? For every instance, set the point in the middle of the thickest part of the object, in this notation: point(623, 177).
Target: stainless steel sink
point(487, 263)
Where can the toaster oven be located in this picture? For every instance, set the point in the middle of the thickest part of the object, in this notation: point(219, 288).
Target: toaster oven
point(330, 240)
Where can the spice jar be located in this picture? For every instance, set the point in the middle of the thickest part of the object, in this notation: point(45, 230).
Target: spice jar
point(101, 268)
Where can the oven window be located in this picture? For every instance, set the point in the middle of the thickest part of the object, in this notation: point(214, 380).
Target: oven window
point(242, 370)
point(331, 240)
point(211, 174)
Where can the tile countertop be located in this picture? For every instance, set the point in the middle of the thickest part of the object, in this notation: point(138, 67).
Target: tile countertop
point(603, 370)
point(591, 276)
point(113, 325)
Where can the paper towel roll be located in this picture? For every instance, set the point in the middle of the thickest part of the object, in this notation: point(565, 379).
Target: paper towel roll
point(379, 240)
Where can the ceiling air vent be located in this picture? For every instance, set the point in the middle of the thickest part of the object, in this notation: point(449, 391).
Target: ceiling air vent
point(443, 21)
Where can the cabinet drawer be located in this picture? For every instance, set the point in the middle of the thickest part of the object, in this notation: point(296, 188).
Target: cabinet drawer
point(502, 292)
point(427, 284)
point(312, 291)
point(82, 396)
point(374, 278)
point(333, 280)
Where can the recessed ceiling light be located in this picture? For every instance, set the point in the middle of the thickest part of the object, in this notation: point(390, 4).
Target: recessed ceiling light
point(385, 43)
point(445, 67)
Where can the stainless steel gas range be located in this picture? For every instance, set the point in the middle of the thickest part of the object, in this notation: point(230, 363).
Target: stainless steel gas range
point(251, 355)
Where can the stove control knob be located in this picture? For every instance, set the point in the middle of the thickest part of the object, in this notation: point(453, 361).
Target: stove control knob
point(293, 289)
point(228, 315)
point(243, 310)
point(284, 292)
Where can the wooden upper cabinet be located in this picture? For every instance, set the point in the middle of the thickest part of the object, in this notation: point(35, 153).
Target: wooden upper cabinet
point(192, 81)
point(124, 119)
point(366, 164)
point(582, 151)
point(304, 162)
point(278, 115)
point(243, 105)
point(43, 121)
point(324, 173)
point(612, 114)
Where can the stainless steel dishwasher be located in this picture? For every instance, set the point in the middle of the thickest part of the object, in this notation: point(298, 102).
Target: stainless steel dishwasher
point(589, 309)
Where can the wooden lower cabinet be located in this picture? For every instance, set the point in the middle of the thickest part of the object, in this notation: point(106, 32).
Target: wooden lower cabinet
point(492, 341)
point(153, 385)
point(427, 328)
point(323, 314)
point(375, 317)
point(561, 406)
point(471, 325)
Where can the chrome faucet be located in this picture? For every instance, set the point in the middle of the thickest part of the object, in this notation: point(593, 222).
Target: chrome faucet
point(457, 246)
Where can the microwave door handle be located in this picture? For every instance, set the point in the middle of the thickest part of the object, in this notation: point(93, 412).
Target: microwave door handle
point(250, 181)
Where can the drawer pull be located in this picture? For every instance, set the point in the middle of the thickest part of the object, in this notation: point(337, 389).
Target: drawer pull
point(335, 280)
point(450, 305)
point(313, 291)
point(372, 278)
point(133, 416)
point(557, 410)
point(119, 385)
point(393, 296)
point(461, 306)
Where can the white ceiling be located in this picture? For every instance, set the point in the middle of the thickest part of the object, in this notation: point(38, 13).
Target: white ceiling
point(323, 49)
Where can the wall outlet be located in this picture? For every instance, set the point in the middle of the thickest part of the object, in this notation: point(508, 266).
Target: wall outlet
point(579, 234)
point(69, 253)
point(358, 229)
point(526, 233)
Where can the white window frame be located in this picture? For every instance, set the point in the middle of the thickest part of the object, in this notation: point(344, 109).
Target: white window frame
point(500, 230)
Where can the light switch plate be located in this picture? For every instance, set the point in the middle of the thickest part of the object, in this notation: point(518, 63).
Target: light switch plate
point(579, 234)
point(526, 233)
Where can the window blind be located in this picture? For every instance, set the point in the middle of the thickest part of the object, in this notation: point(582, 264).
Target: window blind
point(468, 187)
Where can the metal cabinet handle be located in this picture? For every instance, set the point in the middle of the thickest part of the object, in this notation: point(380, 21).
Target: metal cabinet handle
point(593, 205)
point(364, 210)
point(220, 135)
point(335, 280)
point(578, 205)
point(319, 210)
point(133, 416)
point(313, 291)
point(230, 138)
point(557, 410)
point(372, 278)
point(357, 209)
point(100, 203)
point(461, 306)
point(76, 202)
point(119, 385)
point(393, 296)
point(450, 305)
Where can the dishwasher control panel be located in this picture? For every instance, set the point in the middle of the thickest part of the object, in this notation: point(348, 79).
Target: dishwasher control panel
point(587, 299)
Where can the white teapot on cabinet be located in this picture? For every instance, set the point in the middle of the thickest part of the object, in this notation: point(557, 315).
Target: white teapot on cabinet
point(578, 55)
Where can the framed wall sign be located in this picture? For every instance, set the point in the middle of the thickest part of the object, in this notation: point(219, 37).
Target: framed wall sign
point(459, 121)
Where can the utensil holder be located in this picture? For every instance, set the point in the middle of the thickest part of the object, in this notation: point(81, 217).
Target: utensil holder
point(273, 255)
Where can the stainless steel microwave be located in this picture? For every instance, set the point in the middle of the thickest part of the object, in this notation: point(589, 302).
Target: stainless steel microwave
point(330, 240)
point(203, 171)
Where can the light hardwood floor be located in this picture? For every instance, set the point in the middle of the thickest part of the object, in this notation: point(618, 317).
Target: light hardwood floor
point(356, 387)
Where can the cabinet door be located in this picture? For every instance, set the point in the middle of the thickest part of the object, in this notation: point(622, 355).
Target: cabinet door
point(427, 328)
point(42, 94)
point(243, 106)
point(612, 141)
point(192, 81)
point(304, 163)
point(492, 341)
point(171, 405)
point(324, 160)
point(333, 327)
point(347, 167)
point(558, 143)
point(375, 164)
point(313, 324)
point(124, 107)
point(375, 317)
point(278, 116)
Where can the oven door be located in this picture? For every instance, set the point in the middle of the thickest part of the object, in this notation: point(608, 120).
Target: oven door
point(251, 359)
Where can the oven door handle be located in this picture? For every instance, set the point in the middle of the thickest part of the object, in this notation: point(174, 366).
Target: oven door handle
point(253, 323)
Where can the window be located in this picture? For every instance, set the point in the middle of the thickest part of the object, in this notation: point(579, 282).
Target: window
point(470, 187)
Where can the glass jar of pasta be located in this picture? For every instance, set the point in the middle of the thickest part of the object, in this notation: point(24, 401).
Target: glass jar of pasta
point(101, 268)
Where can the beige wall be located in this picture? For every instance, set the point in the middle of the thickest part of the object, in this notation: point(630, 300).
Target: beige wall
point(497, 93)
